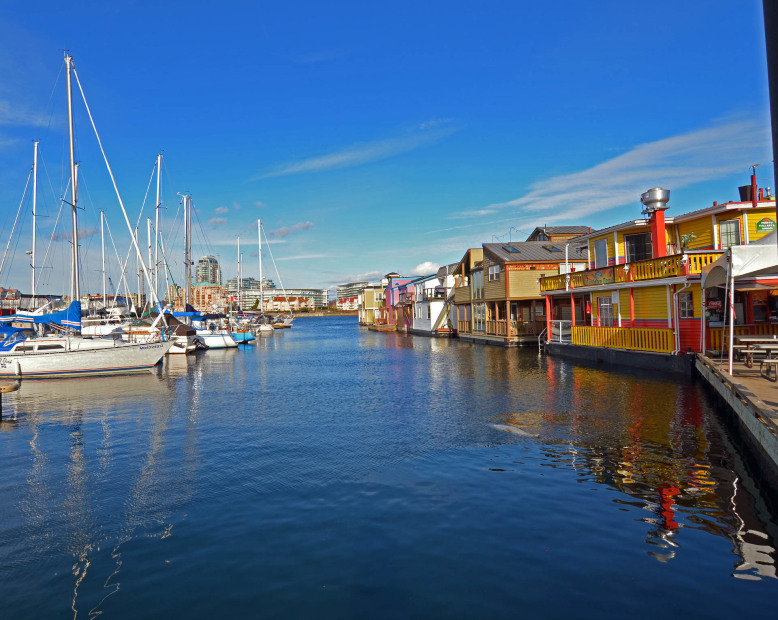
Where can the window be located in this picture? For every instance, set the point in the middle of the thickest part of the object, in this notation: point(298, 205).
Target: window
point(638, 247)
point(494, 273)
point(552, 248)
point(50, 347)
point(729, 232)
point(605, 311)
point(600, 253)
point(685, 306)
point(478, 284)
point(428, 311)
point(479, 317)
point(512, 249)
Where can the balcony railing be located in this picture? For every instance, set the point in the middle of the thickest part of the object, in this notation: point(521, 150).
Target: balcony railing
point(651, 269)
point(463, 327)
point(631, 338)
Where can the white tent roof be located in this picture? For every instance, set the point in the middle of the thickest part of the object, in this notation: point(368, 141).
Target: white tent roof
point(756, 259)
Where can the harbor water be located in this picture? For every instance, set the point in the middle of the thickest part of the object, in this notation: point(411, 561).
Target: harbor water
point(333, 472)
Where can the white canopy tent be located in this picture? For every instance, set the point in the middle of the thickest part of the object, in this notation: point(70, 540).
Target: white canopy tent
point(746, 263)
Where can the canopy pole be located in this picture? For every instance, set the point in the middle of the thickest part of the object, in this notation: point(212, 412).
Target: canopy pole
point(731, 280)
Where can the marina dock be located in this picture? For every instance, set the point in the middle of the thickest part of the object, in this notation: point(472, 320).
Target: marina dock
point(753, 401)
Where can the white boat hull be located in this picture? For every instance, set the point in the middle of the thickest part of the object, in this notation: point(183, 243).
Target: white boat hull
point(115, 358)
point(216, 340)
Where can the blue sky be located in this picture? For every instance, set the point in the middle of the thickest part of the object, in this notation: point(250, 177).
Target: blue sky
point(374, 137)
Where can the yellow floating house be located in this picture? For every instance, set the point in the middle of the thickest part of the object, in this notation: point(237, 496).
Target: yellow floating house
point(642, 288)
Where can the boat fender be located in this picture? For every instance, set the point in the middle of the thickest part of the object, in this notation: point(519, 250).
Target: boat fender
point(17, 368)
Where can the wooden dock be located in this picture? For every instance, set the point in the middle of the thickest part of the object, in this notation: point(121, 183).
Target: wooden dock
point(753, 399)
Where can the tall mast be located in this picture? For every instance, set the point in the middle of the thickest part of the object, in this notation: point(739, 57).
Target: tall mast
point(240, 275)
point(188, 252)
point(261, 289)
point(102, 244)
point(137, 270)
point(148, 236)
point(75, 292)
point(34, 205)
point(156, 229)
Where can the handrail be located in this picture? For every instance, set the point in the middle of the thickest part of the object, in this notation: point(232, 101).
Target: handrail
point(687, 263)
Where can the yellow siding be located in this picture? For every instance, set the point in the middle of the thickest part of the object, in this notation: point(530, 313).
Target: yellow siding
point(650, 303)
point(701, 229)
point(524, 284)
point(754, 217)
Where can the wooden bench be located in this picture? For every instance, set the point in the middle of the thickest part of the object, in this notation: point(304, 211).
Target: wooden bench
point(769, 362)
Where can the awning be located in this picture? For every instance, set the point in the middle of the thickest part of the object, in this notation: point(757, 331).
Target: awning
point(748, 261)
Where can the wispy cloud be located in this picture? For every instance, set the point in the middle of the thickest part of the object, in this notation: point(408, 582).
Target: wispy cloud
point(217, 221)
point(280, 233)
point(303, 257)
point(365, 276)
point(236, 206)
point(12, 114)
point(83, 233)
point(424, 269)
point(259, 203)
point(673, 162)
point(366, 152)
point(222, 209)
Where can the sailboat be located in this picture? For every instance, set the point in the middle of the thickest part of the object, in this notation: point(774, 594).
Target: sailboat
point(239, 327)
point(262, 328)
point(26, 354)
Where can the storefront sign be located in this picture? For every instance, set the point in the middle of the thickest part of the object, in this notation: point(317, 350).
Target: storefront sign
point(765, 225)
point(713, 304)
point(600, 276)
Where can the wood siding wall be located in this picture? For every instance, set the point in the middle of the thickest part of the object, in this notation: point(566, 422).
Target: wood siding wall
point(524, 284)
point(650, 303)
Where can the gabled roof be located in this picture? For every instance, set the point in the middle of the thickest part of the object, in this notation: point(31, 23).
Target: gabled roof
point(534, 252)
point(559, 230)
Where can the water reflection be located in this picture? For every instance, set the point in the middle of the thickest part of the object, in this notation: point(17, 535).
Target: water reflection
point(357, 449)
point(652, 440)
point(91, 424)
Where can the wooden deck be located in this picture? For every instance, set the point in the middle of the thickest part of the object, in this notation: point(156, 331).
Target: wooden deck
point(763, 389)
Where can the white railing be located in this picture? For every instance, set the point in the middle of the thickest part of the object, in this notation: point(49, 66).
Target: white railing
point(561, 331)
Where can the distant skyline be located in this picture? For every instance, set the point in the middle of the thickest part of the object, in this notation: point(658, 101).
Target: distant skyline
point(370, 137)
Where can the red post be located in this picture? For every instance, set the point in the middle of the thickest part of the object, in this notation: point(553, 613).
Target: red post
point(753, 190)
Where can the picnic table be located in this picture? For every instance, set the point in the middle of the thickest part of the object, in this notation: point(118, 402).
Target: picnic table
point(750, 345)
point(769, 362)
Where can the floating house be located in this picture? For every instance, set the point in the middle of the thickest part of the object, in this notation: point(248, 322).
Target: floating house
point(433, 309)
point(498, 297)
point(642, 290)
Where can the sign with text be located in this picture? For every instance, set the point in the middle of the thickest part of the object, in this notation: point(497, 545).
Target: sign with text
point(765, 225)
point(599, 276)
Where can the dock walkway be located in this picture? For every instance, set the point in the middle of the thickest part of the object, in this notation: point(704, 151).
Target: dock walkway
point(754, 401)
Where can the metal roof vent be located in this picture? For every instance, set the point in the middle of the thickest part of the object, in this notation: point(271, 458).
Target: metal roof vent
point(654, 200)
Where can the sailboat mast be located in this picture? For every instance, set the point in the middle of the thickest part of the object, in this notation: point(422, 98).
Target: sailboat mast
point(261, 289)
point(188, 252)
point(102, 245)
point(156, 230)
point(148, 237)
point(240, 275)
point(34, 205)
point(75, 292)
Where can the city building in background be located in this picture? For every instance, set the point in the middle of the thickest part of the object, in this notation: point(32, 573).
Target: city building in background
point(207, 270)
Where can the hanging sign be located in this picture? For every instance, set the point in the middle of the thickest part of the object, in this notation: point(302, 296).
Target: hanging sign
point(765, 225)
point(600, 276)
